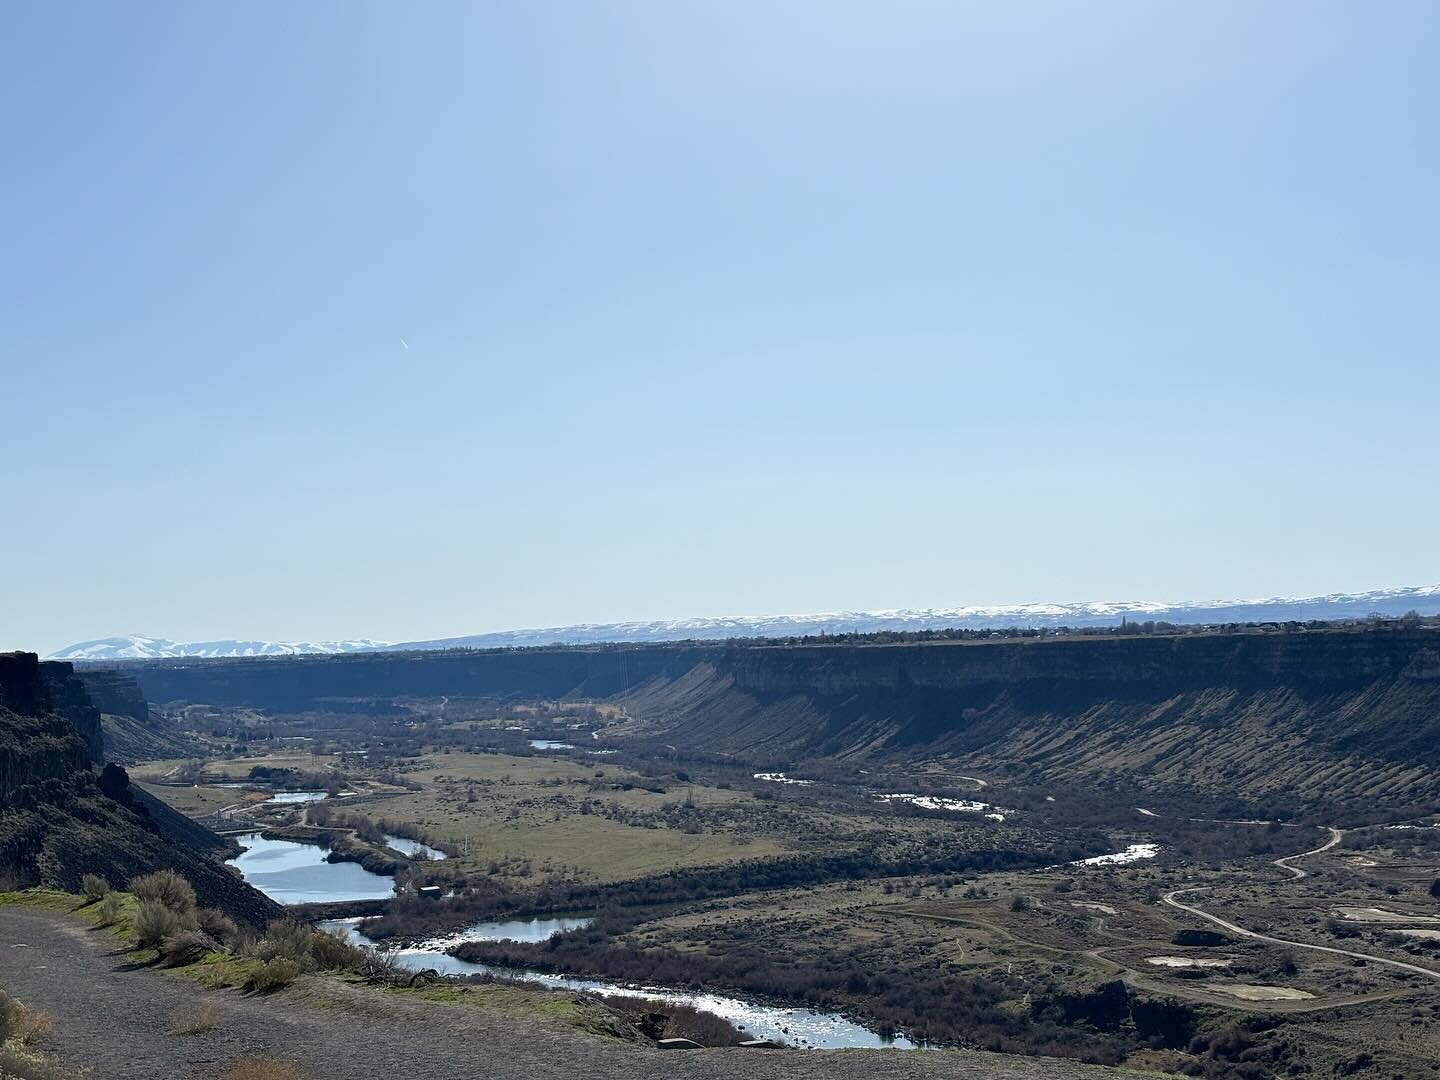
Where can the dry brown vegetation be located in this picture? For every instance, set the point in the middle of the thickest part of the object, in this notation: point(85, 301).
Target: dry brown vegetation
point(197, 1018)
point(20, 1023)
point(264, 1068)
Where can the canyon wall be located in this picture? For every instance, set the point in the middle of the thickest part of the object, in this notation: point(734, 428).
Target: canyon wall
point(1320, 715)
point(61, 819)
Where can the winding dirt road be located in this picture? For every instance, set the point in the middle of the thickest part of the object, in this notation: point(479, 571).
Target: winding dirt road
point(1336, 835)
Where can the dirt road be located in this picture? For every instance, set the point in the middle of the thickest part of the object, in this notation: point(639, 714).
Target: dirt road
point(116, 1021)
point(1336, 835)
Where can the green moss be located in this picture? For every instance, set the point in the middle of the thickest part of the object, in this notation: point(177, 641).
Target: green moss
point(45, 899)
point(71, 904)
point(493, 998)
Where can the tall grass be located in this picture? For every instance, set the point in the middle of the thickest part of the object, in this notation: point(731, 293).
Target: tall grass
point(202, 1016)
point(263, 1068)
point(20, 1023)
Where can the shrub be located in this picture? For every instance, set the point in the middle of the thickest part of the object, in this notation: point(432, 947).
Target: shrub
point(256, 1068)
point(109, 910)
point(218, 925)
point(186, 947)
point(202, 1016)
point(673, 1020)
point(1435, 888)
point(22, 1023)
point(95, 887)
point(703, 1027)
point(154, 922)
point(273, 974)
point(285, 939)
point(21, 1064)
point(1164, 1023)
point(331, 953)
point(165, 887)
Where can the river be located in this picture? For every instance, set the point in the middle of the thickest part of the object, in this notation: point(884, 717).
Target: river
point(797, 1026)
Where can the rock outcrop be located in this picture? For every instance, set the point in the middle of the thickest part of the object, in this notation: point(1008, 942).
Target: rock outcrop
point(60, 819)
point(132, 731)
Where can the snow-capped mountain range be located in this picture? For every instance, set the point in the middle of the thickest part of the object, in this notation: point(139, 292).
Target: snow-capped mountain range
point(135, 647)
point(1425, 600)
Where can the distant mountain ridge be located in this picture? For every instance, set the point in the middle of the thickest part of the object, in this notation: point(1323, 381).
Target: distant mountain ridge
point(135, 647)
point(1390, 602)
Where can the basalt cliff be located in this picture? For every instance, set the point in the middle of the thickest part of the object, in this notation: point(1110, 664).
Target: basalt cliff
point(1346, 715)
point(63, 813)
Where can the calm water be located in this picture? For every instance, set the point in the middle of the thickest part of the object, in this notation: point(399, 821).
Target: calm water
point(799, 1027)
point(278, 796)
point(290, 872)
point(412, 847)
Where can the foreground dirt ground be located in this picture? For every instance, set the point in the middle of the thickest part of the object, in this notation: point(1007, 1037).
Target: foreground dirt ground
point(115, 1021)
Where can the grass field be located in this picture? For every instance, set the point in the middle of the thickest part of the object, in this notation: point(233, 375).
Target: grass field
point(200, 801)
point(227, 769)
point(503, 809)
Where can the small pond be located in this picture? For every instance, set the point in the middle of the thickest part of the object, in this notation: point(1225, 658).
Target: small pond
point(412, 847)
point(290, 872)
point(274, 796)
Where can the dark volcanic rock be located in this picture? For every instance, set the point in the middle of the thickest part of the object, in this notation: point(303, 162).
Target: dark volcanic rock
point(132, 731)
point(60, 821)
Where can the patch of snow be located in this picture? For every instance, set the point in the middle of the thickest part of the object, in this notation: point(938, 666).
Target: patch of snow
point(1188, 961)
point(781, 778)
point(935, 802)
point(1133, 853)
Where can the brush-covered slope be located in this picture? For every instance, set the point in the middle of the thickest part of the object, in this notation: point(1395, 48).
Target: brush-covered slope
point(1333, 718)
point(60, 819)
point(132, 731)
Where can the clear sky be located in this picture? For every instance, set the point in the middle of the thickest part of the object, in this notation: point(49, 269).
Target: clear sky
point(402, 320)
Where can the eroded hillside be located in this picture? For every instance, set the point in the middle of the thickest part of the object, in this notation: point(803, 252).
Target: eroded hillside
point(1339, 715)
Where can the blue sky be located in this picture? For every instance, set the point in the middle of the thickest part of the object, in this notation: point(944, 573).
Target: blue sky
point(710, 309)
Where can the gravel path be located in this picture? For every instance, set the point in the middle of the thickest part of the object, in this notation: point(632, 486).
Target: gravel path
point(1336, 835)
point(116, 1020)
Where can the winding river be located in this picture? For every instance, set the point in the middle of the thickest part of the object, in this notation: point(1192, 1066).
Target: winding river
point(799, 1027)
